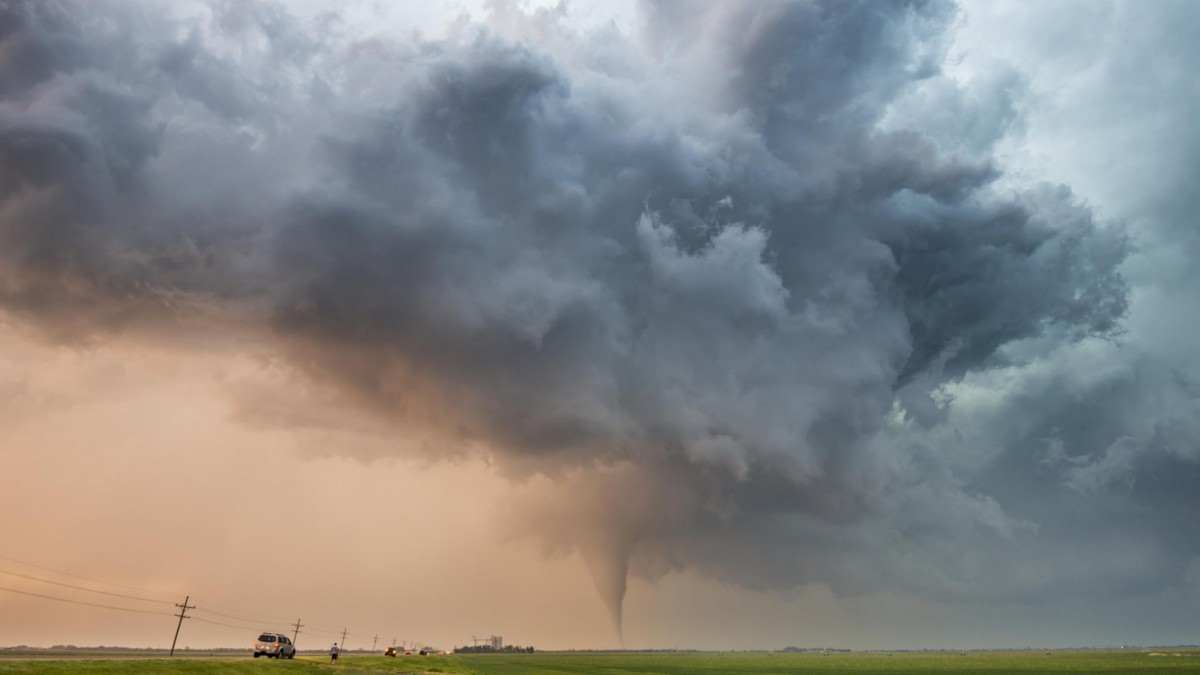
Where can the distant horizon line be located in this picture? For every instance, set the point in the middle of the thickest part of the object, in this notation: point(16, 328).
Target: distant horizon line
point(782, 650)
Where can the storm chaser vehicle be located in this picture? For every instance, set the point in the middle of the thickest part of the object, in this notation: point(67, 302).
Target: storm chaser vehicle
point(274, 645)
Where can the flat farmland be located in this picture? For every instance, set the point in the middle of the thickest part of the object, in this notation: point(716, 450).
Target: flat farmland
point(739, 664)
point(1124, 661)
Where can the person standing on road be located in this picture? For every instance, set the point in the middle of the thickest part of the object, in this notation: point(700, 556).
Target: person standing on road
point(333, 652)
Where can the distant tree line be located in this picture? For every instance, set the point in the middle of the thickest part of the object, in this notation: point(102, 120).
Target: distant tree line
point(488, 649)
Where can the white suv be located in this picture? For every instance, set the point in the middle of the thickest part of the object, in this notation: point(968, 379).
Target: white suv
point(274, 645)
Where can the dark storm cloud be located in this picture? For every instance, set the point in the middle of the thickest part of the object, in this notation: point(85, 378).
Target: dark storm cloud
point(726, 310)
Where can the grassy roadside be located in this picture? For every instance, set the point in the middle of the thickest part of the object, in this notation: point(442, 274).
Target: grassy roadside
point(301, 665)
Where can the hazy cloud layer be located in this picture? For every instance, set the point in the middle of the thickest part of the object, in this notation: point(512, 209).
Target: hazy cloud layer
point(749, 287)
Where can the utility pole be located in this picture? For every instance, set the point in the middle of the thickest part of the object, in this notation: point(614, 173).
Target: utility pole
point(374, 641)
point(182, 615)
point(344, 632)
point(297, 626)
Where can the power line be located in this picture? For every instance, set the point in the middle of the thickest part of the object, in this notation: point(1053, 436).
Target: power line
point(237, 611)
point(264, 622)
point(259, 621)
point(81, 602)
point(237, 618)
point(184, 608)
point(82, 588)
point(79, 576)
point(326, 633)
point(227, 625)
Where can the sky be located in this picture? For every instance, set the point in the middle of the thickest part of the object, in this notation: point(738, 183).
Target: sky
point(730, 325)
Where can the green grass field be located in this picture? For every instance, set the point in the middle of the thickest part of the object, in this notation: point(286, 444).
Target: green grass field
point(1128, 661)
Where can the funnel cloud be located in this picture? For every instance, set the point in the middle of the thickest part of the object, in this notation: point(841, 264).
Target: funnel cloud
point(751, 290)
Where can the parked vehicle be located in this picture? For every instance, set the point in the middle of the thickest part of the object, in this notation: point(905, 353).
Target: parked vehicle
point(275, 646)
